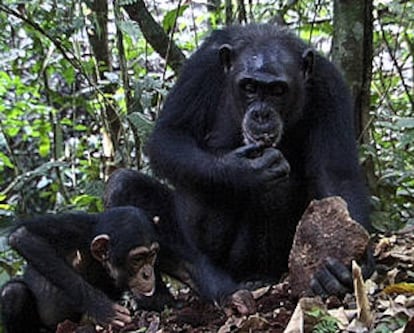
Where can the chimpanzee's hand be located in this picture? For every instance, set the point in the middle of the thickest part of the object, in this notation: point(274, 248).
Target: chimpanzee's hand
point(334, 278)
point(121, 316)
point(254, 165)
point(104, 311)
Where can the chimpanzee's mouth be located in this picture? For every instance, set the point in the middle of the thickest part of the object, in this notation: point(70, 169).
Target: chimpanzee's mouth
point(262, 139)
point(143, 293)
point(264, 131)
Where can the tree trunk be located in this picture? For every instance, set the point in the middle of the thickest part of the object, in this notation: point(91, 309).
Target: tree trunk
point(352, 53)
point(98, 38)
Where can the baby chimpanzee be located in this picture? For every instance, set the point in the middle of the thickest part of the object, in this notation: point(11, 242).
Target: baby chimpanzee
point(79, 264)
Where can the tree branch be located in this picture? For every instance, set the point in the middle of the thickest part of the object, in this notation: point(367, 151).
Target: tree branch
point(65, 53)
point(155, 35)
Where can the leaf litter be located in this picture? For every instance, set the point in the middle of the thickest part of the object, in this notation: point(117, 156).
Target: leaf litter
point(382, 304)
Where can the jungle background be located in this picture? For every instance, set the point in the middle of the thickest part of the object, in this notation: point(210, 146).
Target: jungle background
point(82, 83)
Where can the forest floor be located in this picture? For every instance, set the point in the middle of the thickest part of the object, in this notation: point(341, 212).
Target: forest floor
point(390, 308)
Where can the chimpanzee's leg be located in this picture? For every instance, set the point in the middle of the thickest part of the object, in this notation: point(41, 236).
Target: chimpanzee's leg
point(18, 308)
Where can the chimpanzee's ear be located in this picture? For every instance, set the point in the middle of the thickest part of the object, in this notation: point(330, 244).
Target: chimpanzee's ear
point(225, 53)
point(100, 247)
point(308, 62)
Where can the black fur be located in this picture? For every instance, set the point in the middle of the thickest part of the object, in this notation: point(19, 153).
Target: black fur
point(239, 204)
point(53, 288)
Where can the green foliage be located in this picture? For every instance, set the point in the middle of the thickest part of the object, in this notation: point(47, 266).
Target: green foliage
point(383, 329)
point(130, 28)
point(10, 265)
point(391, 324)
point(325, 323)
point(171, 17)
point(392, 130)
point(39, 110)
point(142, 125)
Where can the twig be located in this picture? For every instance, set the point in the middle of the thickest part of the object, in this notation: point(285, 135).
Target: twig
point(73, 61)
point(396, 64)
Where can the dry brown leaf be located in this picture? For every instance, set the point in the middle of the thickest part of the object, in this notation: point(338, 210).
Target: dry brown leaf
point(384, 245)
point(342, 316)
point(361, 296)
point(399, 305)
point(251, 323)
point(254, 323)
point(296, 322)
point(301, 322)
point(392, 274)
point(231, 322)
point(260, 292)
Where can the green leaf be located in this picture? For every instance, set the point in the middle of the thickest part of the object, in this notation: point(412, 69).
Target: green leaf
point(80, 128)
point(130, 28)
point(95, 188)
point(69, 75)
point(403, 123)
point(5, 160)
point(88, 202)
point(171, 16)
point(12, 131)
point(44, 146)
point(142, 125)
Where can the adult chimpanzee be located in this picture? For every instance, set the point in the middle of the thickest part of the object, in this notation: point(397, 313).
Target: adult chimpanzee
point(256, 126)
point(78, 264)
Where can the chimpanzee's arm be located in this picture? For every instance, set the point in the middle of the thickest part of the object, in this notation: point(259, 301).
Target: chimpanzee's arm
point(44, 242)
point(176, 156)
point(332, 168)
point(332, 158)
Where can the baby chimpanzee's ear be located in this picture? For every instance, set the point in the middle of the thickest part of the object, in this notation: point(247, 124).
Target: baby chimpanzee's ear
point(100, 247)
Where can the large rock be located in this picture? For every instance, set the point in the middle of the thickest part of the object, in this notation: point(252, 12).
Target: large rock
point(326, 229)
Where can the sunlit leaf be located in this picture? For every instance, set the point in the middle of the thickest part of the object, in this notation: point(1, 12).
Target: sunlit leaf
point(405, 122)
point(5, 160)
point(44, 146)
point(400, 288)
point(130, 28)
point(171, 16)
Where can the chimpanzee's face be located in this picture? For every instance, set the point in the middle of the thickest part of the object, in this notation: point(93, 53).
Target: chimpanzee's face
point(127, 251)
point(140, 268)
point(268, 84)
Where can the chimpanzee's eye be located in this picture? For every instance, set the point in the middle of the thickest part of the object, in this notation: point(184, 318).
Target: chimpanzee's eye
point(151, 258)
point(277, 88)
point(137, 261)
